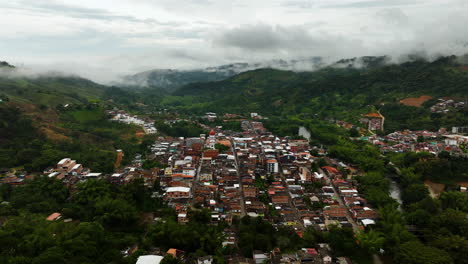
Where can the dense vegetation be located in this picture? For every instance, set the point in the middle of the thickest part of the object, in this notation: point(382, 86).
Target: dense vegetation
point(180, 129)
point(106, 220)
point(337, 93)
point(50, 91)
point(421, 213)
point(37, 130)
point(80, 132)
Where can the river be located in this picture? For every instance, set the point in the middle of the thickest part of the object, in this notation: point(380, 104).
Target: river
point(395, 191)
point(304, 132)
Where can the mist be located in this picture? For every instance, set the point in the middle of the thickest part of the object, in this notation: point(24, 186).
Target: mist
point(104, 42)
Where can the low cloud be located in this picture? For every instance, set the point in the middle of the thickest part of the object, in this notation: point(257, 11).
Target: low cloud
point(289, 41)
point(102, 42)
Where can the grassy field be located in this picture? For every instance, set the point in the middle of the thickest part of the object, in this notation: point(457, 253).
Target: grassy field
point(84, 116)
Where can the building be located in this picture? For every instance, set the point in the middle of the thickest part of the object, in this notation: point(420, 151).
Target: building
point(374, 121)
point(178, 192)
point(149, 259)
point(455, 140)
point(212, 139)
point(272, 166)
point(280, 198)
point(250, 191)
point(305, 174)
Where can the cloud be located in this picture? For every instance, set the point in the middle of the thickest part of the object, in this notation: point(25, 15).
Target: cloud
point(371, 4)
point(289, 41)
point(393, 17)
point(107, 38)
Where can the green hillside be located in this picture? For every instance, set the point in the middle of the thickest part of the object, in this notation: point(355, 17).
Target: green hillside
point(37, 129)
point(337, 93)
point(50, 91)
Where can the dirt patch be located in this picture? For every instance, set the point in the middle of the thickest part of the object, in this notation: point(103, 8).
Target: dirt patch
point(435, 189)
point(118, 160)
point(140, 134)
point(53, 135)
point(146, 218)
point(415, 101)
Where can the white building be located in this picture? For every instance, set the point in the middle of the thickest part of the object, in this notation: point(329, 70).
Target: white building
point(272, 166)
point(149, 259)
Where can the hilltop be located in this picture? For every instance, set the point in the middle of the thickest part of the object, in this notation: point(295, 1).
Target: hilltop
point(171, 79)
point(335, 92)
point(45, 118)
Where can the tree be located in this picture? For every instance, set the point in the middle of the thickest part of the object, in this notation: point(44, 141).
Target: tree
point(353, 132)
point(169, 259)
point(454, 200)
point(414, 193)
point(342, 240)
point(51, 255)
point(222, 148)
point(371, 241)
point(414, 252)
point(116, 213)
point(455, 245)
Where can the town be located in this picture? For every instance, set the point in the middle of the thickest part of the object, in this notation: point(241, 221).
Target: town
point(283, 180)
point(234, 174)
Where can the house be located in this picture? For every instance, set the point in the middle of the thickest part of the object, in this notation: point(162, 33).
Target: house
point(92, 175)
point(68, 166)
point(250, 191)
point(280, 198)
point(336, 213)
point(205, 260)
point(178, 192)
point(260, 257)
point(149, 259)
point(272, 166)
point(327, 260)
point(54, 216)
point(374, 121)
point(455, 140)
point(211, 153)
point(182, 218)
point(176, 253)
point(305, 174)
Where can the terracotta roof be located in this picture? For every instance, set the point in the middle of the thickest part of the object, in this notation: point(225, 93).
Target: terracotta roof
point(53, 217)
point(374, 115)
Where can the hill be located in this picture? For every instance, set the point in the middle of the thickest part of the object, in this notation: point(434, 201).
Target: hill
point(336, 93)
point(49, 90)
point(171, 79)
point(46, 118)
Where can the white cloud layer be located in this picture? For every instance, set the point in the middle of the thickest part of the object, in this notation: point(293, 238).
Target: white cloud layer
point(106, 38)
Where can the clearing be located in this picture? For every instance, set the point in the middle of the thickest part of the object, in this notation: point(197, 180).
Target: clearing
point(416, 101)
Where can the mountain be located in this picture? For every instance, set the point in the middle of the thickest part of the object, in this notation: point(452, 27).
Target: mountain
point(49, 90)
point(48, 117)
point(170, 79)
point(4, 64)
point(337, 92)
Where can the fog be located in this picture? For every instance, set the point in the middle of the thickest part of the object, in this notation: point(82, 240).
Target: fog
point(104, 40)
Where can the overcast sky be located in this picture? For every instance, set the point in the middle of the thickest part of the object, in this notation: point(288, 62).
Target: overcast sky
point(105, 38)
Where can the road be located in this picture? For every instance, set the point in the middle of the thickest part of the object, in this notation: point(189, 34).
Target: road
point(343, 205)
point(291, 204)
point(375, 258)
point(241, 187)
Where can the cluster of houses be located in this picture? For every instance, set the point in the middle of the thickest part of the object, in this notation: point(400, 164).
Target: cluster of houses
point(421, 140)
point(210, 116)
point(251, 173)
point(123, 117)
point(256, 173)
point(446, 105)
